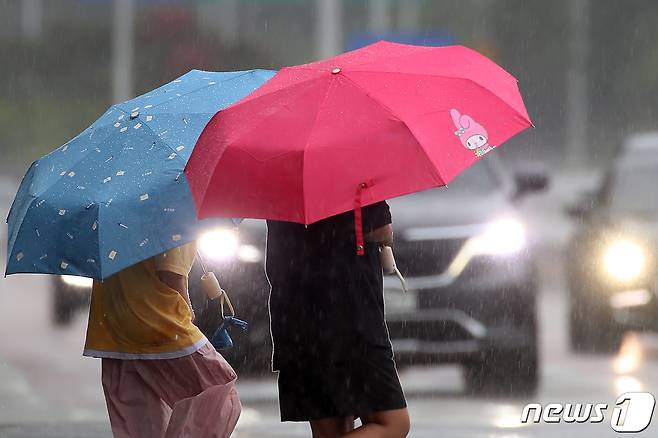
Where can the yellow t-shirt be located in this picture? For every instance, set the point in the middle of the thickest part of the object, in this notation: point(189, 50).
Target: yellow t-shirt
point(134, 315)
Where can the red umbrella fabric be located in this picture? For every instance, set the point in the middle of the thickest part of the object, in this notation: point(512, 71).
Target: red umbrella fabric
point(368, 125)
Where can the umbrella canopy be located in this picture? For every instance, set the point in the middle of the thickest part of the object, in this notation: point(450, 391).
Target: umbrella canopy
point(116, 194)
point(379, 122)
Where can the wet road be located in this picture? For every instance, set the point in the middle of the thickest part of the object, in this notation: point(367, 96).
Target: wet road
point(45, 381)
point(48, 390)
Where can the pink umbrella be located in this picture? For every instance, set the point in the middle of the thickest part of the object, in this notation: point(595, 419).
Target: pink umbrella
point(331, 136)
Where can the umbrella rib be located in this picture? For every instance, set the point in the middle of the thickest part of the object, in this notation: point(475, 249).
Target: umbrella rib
point(525, 118)
point(99, 230)
point(432, 169)
point(430, 48)
point(413, 50)
point(308, 138)
point(171, 148)
point(73, 166)
point(244, 73)
point(275, 92)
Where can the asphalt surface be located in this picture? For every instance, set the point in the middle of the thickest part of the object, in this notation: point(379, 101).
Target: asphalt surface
point(47, 389)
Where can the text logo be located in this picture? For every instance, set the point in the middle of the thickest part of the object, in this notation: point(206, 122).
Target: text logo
point(632, 413)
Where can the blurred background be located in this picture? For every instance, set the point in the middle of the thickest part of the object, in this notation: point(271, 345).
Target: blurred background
point(581, 292)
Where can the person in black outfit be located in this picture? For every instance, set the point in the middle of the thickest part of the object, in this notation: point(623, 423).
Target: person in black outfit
point(331, 343)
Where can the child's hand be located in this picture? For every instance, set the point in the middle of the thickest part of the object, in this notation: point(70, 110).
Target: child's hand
point(382, 235)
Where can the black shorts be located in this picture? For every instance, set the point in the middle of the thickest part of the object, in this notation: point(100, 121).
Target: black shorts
point(352, 386)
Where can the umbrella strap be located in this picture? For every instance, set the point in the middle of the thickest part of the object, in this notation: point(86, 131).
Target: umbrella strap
point(225, 299)
point(203, 263)
point(358, 219)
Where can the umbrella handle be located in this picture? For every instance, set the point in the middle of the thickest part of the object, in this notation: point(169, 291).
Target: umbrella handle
point(223, 296)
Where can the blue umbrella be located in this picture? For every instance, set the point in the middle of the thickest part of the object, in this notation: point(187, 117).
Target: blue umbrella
point(116, 194)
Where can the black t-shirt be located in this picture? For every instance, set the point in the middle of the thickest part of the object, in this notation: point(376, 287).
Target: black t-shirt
point(326, 301)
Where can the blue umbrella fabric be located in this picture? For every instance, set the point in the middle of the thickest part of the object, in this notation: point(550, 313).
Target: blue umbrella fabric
point(116, 194)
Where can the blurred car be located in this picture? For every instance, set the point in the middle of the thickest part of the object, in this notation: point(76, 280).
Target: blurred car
point(471, 278)
point(611, 258)
point(237, 257)
point(470, 272)
point(69, 294)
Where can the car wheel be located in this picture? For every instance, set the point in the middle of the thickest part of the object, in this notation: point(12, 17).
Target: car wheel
point(63, 307)
point(511, 373)
point(593, 330)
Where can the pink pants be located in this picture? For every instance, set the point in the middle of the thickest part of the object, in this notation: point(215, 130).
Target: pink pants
point(191, 396)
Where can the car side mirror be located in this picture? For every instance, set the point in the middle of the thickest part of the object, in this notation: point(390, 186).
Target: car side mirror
point(583, 207)
point(530, 181)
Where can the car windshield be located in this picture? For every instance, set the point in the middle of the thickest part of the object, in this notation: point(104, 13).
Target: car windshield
point(633, 188)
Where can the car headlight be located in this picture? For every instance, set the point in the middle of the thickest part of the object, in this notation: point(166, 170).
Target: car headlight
point(249, 254)
point(500, 237)
point(220, 244)
point(81, 282)
point(624, 260)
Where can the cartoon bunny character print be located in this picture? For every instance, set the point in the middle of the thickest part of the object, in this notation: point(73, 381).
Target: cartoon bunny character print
point(470, 133)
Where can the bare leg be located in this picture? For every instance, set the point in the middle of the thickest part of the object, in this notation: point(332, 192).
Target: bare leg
point(383, 424)
point(332, 427)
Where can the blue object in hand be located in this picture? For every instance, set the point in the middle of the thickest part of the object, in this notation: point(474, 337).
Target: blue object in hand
point(221, 340)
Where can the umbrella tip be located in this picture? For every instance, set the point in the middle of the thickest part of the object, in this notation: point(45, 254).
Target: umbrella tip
point(335, 71)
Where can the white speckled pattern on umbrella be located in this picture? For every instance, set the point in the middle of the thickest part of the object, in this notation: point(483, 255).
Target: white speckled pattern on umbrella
point(116, 194)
